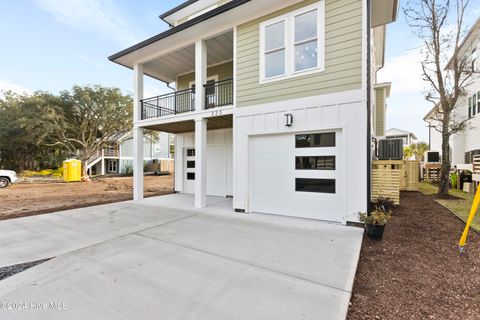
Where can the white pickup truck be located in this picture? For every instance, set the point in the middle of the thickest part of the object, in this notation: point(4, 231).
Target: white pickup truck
point(7, 177)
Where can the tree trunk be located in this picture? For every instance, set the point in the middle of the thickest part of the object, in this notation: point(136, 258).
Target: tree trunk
point(445, 170)
point(84, 168)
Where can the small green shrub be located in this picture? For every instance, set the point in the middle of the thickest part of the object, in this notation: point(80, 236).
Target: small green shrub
point(385, 204)
point(375, 217)
point(128, 169)
point(454, 180)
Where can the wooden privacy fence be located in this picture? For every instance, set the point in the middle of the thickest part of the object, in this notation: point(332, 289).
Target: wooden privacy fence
point(410, 175)
point(476, 170)
point(161, 165)
point(391, 176)
point(167, 165)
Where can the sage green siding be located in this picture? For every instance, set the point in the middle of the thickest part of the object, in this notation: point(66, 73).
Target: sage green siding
point(380, 112)
point(343, 57)
point(224, 71)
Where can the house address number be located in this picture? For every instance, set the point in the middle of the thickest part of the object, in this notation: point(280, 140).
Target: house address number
point(216, 113)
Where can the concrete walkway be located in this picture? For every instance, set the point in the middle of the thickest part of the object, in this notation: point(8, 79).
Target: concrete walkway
point(148, 260)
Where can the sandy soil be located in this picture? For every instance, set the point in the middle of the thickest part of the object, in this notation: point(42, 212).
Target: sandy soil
point(416, 270)
point(25, 199)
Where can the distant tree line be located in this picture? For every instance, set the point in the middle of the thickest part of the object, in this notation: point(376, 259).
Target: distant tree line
point(40, 130)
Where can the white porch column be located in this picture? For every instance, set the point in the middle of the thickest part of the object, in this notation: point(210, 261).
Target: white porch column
point(200, 73)
point(137, 133)
point(200, 163)
point(102, 166)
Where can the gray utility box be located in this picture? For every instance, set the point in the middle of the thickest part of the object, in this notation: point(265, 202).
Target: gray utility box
point(390, 149)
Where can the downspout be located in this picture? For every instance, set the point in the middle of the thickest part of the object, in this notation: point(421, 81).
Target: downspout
point(369, 124)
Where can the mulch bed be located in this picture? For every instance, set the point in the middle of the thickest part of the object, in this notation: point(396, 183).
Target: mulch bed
point(416, 270)
point(9, 271)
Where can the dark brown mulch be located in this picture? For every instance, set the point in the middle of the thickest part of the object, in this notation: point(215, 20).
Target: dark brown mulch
point(416, 271)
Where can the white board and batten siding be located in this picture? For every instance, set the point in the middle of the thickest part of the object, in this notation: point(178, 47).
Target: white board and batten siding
point(257, 126)
point(219, 162)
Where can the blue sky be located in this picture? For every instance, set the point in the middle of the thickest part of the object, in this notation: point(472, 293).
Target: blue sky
point(53, 44)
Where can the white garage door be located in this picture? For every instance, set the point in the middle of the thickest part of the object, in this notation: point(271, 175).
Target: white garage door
point(298, 175)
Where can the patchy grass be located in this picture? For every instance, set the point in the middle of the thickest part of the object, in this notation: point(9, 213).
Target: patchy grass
point(53, 173)
point(459, 207)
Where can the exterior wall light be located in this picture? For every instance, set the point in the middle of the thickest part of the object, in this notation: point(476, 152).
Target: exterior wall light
point(288, 119)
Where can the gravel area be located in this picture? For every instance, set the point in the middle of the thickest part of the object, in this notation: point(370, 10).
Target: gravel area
point(9, 271)
point(416, 270)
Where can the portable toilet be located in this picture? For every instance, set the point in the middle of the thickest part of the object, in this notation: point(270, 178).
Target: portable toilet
point(72, 170)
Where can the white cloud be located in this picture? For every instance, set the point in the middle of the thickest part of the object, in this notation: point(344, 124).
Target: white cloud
point(406, 105)
point(92, 15)
point(405, 73)
point(15, 88)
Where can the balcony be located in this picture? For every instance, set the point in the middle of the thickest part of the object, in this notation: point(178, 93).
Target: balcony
point(217, 94)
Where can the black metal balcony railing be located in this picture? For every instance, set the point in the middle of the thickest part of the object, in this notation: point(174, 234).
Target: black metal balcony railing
point(168, 104)
point(218, 93)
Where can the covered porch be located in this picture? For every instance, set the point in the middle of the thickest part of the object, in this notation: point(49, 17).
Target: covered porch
point(201, 106)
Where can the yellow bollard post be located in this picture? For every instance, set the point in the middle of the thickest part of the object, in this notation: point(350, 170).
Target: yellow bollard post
point(473, 210)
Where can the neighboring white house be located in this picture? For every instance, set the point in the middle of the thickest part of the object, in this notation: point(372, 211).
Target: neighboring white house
point(463, 145)
point(407, 137)
point(274, 105)
point(118, 156)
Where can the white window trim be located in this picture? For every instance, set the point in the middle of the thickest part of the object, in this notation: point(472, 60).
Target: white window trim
point(289, 20)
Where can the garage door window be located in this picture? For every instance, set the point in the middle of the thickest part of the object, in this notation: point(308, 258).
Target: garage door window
point(315, 163)
point(315, 185)
point(315, 140)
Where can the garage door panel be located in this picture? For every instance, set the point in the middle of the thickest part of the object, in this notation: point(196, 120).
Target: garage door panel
point(273, 183)
point(272, 143)
point(272, 162)
point(320, 206)
point(273, 174)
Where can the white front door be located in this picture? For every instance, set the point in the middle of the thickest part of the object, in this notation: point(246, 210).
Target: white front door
point(298, 175)
point(189, 170)
point(216, 170)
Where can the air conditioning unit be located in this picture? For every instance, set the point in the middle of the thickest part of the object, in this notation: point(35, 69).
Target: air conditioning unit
point(432, 157)
point(390, 149)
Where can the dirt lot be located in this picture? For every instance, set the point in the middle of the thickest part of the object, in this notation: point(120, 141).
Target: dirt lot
point(24, 199)
point(416, 271)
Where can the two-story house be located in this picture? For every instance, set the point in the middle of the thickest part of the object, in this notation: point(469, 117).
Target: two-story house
point(465, 144)
point(273, 105)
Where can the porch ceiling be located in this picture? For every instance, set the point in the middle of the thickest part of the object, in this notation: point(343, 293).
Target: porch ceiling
point(167, 67)
point(221, 122)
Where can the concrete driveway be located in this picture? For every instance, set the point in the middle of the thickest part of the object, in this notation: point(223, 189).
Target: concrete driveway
point(150, 260)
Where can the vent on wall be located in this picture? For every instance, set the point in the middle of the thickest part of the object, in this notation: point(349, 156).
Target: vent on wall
point(390, 149)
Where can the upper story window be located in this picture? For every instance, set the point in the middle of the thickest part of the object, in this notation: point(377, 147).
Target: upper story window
point(292, 44)
point(474, 105)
